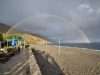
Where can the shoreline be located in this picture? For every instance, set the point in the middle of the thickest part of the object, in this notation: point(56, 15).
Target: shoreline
point(77, 48)
point(72, 61)
point(81, 48)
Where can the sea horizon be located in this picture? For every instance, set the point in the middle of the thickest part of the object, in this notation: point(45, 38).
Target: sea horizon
point(89, 46)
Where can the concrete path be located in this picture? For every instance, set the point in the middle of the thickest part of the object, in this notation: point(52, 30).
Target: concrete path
point(17, 65)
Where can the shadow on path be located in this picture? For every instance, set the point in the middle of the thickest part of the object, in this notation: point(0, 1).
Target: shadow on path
point(47, 64)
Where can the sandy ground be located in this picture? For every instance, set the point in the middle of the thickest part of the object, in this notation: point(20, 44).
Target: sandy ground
point(71, 61)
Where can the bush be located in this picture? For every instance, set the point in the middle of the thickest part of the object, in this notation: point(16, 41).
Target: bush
point(10, 36)
point(10, 49)
point(1, 37)
point(33, 49)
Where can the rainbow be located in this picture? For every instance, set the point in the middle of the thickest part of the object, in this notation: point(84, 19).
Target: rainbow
point(52, 16)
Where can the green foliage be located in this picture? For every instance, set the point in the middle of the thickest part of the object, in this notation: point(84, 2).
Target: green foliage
point(16, 36)
point(10, 49)
point(27, 41)
point(1, 37)
point(33, 50)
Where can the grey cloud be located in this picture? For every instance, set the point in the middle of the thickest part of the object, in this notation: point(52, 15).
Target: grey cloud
point(77, 15)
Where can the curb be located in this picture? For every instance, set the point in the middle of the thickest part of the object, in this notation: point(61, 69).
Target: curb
point(34, 68)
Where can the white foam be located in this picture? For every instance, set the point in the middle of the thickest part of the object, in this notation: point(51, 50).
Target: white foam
point(78, 48)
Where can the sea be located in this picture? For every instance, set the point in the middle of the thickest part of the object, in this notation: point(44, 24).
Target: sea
point(89, 46)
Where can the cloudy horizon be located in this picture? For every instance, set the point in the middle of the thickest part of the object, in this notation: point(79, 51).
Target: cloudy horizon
point(73, 21)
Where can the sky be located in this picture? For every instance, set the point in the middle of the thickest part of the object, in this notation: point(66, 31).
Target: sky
point(75, 21)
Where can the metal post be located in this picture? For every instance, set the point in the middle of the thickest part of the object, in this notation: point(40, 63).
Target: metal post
point(7, 43)
point(46, 47)
point(59, 45)
point(0, 45)
point(24, 43)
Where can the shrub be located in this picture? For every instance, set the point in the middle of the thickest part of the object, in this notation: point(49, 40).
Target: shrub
point(10, 36)
point(10, 49)
point(1, 37)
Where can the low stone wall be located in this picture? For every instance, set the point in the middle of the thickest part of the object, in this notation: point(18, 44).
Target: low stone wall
point(34, 68)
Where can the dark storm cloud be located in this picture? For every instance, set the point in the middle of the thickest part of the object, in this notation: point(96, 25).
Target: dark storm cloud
point(78, 15)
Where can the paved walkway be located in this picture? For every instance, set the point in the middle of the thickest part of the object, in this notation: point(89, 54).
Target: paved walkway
point(17, 65)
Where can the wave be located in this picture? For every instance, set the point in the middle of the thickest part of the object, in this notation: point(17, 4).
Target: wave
point(78, 48)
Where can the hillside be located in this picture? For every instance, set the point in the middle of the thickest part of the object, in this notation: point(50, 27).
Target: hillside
point(32, 38)
point(4, 28)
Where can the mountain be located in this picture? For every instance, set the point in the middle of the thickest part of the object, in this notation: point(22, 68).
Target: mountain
point(34, 38)
point(4, 28)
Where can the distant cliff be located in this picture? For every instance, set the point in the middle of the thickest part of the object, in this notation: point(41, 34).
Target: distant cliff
point(32, 38)
point(4, 28)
